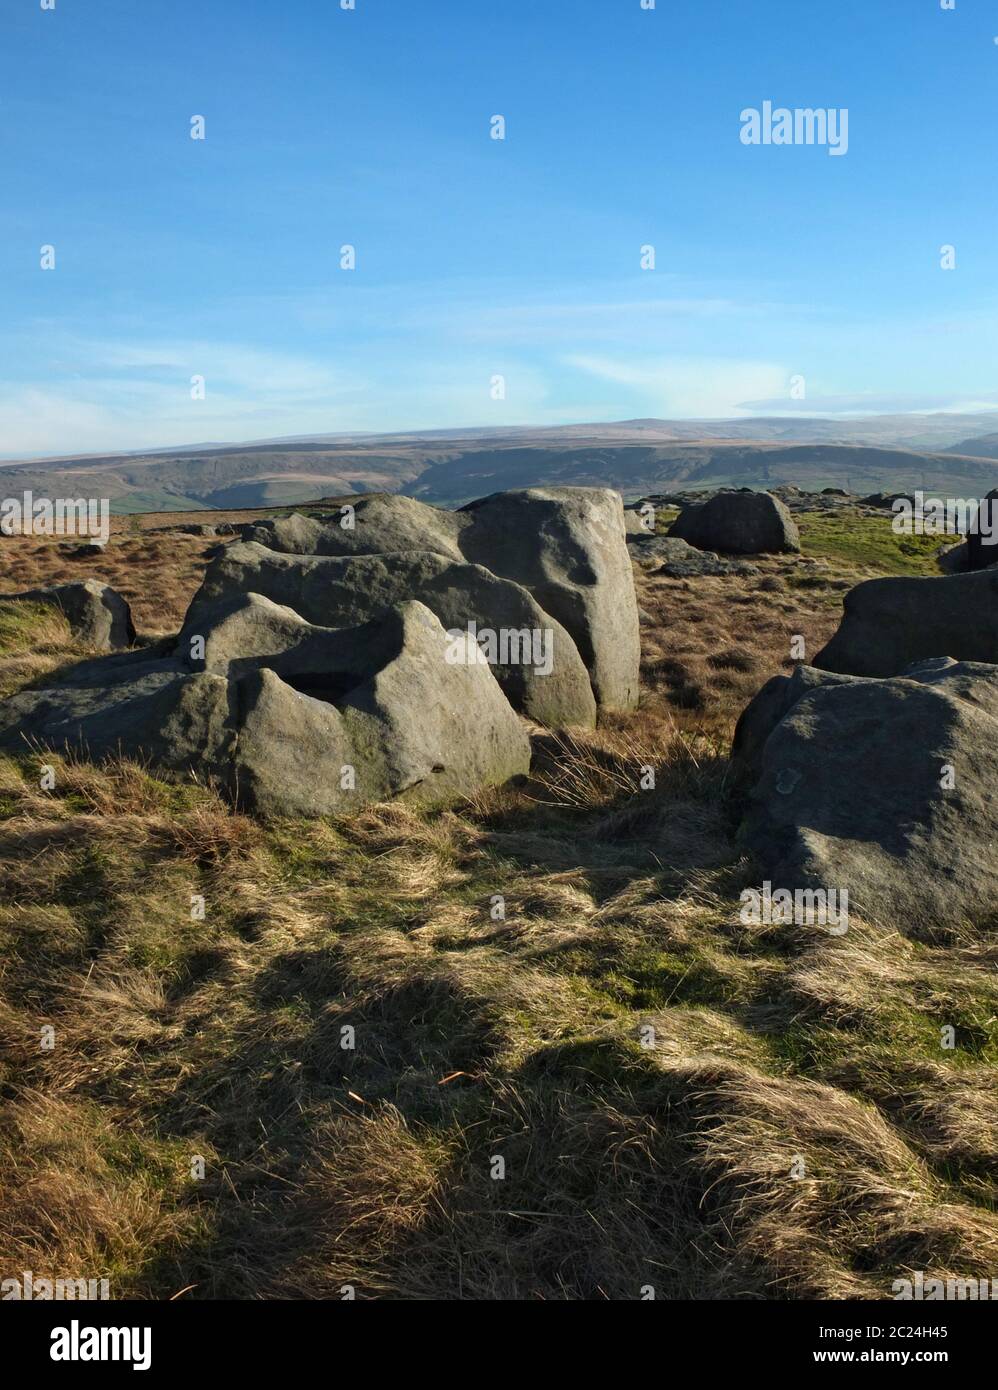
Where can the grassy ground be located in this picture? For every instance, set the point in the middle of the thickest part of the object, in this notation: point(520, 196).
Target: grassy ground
point(868, 542)
point(554, 976)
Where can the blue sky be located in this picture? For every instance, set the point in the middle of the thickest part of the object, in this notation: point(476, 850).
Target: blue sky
point(479, 258)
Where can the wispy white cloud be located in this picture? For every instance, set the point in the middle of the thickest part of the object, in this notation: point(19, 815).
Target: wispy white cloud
point(692, 387)
point(234, 367)
point(126, 395)
point(132, 395)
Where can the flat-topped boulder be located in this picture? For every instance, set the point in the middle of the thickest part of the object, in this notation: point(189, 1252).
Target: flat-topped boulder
point(677, 559)
point(740, 523)
point(155, 711)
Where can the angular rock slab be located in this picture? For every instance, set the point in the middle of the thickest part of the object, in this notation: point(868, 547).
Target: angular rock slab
point(741, 523)
point(887, 624)
point(849, 792)
point(333, 592)
point(566, 546)
point(417, 728)
point(680, 560)
point(96, 613)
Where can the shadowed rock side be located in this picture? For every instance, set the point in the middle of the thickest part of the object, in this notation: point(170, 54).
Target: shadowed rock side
point(887, 624)
point(310, 723)
point(849, 790)
point(761, 716)
point(566, 546)
point(741, 523)
point(96, 613)
point(981, 545)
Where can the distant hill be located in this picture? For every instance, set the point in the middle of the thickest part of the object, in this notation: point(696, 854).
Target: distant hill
point(635, 469)
point(984, 447)
point(877, 453)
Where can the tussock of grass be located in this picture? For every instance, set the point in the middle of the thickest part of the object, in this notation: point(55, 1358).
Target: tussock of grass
point(84, 1197)
point(818, 1188)
point(30, 627)
point(33, 637)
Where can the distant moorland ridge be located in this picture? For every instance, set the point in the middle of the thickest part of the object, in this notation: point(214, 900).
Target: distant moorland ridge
point(949, 453)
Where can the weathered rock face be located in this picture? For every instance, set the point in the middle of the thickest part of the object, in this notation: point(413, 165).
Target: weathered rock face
point(762, 714)
point(96, 613)
point(566, 546)
point(310, 723)
point(159, 713)
point(889, 623)
point(850, 790)
point(375, 524)
point(408, 723)
point(550, 686)
point(233, 635)
point(743, 523)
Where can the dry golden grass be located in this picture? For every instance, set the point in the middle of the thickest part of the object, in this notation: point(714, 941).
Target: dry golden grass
point(709, 643)
point(158, 575)
point(794, 1130)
